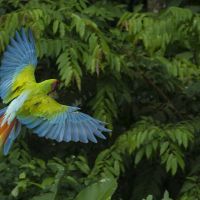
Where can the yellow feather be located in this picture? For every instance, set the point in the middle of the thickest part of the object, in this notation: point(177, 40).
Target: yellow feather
point(23, 80)
point(41, 106)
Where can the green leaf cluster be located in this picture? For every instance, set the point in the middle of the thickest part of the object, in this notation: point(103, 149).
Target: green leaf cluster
point(133, 68)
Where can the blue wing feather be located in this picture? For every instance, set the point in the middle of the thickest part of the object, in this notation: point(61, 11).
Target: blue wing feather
point(70, 125)
point(67, 136)
point(60, 134)
point(52, 131)
point(57, 132)
point(90, 134)
point(42, 128)
point(19, 53)
point(83, 136)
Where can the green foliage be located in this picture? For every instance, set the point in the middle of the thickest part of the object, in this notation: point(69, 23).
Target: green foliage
point(101, 190)
point(165, 197)
point(136, 70)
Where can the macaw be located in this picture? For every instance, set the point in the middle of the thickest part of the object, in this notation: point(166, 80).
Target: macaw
point(30, 103)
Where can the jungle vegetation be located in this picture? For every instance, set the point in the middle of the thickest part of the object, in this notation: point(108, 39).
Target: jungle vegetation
point(132, 63)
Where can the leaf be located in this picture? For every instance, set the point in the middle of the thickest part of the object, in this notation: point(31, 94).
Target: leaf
point(83, 167)
point(169, 162)
point(47, 182)
point(62, 29)
point(139, 156)
point(148, 150)
point(166, 196)
point(22, 175)
point(55, 26)
point(164, 147)
point(101, 190)
point(149, 197)
point(174, 165)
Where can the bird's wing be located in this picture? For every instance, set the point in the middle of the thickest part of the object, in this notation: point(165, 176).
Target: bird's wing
point(17, 66)
point(52, 120)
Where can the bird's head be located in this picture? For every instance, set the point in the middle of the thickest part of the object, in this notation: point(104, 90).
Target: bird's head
point(49, 86)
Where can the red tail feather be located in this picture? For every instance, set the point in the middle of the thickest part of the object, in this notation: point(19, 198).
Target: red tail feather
point(5, 130)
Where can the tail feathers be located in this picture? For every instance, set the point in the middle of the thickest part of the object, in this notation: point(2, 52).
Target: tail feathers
point(8, 133)
point(11, 137)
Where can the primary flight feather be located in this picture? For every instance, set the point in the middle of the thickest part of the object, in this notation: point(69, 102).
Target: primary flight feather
point(29, 102)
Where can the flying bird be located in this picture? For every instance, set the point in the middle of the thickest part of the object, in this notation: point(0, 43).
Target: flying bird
point(30, 104)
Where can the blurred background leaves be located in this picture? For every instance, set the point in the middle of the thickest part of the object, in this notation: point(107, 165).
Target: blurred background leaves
point(132, 63)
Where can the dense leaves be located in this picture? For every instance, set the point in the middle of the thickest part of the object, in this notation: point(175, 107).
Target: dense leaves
point(123, 62)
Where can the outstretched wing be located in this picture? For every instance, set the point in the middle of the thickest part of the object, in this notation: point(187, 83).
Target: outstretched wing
point(52, 120)
point(17, 66)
